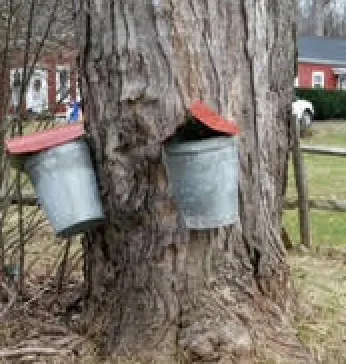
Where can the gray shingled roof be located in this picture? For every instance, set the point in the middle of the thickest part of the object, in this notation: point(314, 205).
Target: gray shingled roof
point(323, 50)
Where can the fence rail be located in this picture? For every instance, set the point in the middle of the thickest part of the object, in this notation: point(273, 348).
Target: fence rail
point(340, 152)
point(325, 205)
point(26, 200)
point(290, 203)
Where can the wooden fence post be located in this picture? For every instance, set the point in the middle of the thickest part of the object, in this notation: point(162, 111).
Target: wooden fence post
point(302, 186)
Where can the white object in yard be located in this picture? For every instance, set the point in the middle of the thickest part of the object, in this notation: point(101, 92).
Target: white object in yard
point(304, 112)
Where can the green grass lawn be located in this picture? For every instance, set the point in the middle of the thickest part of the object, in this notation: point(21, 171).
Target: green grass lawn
point(320, 275)
point(330, 133)
point(326, 180)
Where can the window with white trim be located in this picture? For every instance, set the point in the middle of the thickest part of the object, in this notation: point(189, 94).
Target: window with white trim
point(37, 92)
point(342, 82)
point(318, 79)
point(63, 84)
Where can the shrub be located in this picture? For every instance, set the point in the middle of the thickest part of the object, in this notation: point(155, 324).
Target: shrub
point(328, 104)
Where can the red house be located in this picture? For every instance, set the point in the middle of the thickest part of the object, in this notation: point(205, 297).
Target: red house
point(321, 63)
point(52, 86)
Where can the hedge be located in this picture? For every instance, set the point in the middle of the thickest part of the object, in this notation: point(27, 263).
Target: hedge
point(328, 104)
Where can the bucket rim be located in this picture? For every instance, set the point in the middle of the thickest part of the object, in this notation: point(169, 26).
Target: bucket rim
point(195, 146)
point(33, 159)
point(43, 140)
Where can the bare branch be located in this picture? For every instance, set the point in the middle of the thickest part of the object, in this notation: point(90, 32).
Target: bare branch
point(8, 353)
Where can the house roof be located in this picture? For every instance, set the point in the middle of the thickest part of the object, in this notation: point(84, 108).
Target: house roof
point(322, 50)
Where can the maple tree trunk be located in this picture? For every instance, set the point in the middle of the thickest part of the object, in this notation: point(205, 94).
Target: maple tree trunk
point(154, 291)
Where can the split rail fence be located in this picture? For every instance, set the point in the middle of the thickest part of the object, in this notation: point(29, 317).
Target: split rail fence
point(303, 203)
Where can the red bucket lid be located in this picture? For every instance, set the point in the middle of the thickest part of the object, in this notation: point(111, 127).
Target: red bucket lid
point(212, 120)
point(42, 140)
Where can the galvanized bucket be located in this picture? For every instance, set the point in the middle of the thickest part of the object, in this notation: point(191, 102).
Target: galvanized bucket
point(65, 183)
point(204, 181)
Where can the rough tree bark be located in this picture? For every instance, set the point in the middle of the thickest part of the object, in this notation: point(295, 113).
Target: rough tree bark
point(222, 295)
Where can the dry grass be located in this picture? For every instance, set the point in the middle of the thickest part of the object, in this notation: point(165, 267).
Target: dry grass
point(321, 282)
point(320, 276)
point(320, 279)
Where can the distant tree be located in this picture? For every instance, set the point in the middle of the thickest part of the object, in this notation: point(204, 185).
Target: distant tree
point(321, 18)
point(319, 11)
point(28, 30)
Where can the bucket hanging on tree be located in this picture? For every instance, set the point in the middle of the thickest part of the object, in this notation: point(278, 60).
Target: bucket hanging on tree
point(201, 161)
point(60, 168)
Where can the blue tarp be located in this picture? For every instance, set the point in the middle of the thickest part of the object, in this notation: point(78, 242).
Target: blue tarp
point(74, 113)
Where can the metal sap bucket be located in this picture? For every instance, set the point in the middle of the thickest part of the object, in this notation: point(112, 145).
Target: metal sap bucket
point(65, 183)
point(204, 181)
